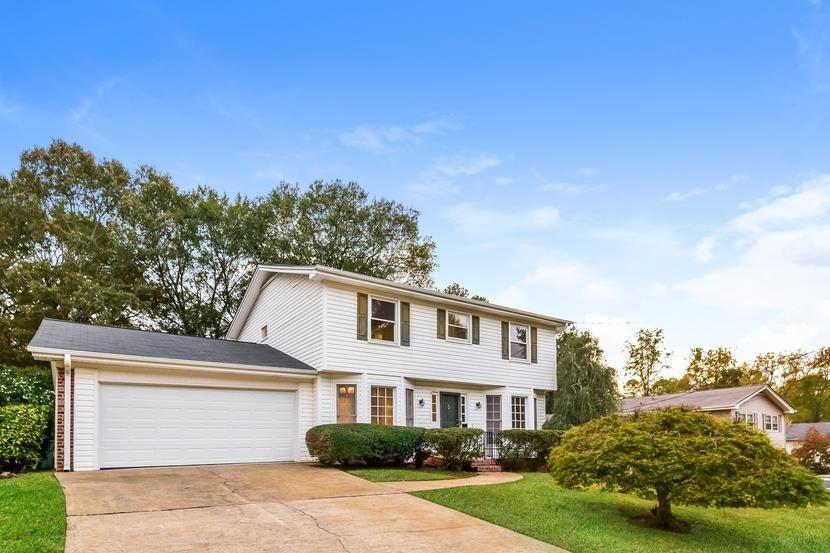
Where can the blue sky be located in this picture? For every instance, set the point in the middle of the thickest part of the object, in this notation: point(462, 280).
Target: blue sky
point(618, 164)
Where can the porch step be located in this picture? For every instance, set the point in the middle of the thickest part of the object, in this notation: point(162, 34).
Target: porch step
point(486, 465)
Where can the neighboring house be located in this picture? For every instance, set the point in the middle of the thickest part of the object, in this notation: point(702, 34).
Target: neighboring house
point(758, 406)
point(797, 431)
point(309, 345)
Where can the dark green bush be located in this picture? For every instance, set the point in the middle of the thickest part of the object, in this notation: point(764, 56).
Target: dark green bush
point(22, 432)
point(366, 444)
point(458, 447)
point(526, 449)
point(25, 385)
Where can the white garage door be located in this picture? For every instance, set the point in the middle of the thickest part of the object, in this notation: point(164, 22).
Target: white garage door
point(142, 426)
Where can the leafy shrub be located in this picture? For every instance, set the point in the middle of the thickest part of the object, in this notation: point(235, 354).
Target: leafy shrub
point(814, 451)
point(527, 449)
point(366, 444)
point(22, 432)
point(25, 385)
point(458, 447)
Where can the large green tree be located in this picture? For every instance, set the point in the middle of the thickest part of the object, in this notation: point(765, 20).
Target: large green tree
point(338, 225)
point(714, 368)
point(586, 384)
point(647, 359)
point(807, 387)
point(62, 247)
point(682, 456)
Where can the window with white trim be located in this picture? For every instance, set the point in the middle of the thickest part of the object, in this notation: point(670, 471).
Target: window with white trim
point(458, 326)
point(410, 407)
point(519, 412)
point(346, 403)
point(383, 323)
point(383, 405)
point(771, 423)
point(434, 407)
point(747, 418)
point(519, 341)
point(463, 409)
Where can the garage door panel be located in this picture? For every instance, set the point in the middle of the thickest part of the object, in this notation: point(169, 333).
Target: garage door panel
point(159, 425)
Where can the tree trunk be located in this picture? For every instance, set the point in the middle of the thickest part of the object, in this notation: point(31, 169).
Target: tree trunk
point(663, 516)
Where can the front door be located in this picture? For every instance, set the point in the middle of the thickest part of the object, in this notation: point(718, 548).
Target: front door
point(449, 410)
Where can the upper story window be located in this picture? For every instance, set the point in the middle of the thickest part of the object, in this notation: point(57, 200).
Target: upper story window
point(384, 320)
point(519, 338)
point(747, 418)
point(458, 326)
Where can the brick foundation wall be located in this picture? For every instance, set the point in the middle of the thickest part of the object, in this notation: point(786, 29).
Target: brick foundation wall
point(59, 419)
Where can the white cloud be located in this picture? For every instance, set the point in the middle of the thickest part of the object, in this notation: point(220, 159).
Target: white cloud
point(382, 138)
point(514, 296)
point(81, 111)
point(466, 164)
point(780, 277)
point(504, 180)
point(564, 187)
point(611, 332)
point(473, 219)
point(678, 196)
point(572, 276)
point(704, 250)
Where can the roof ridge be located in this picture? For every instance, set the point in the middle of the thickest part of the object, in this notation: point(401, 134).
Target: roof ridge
point(163, 333)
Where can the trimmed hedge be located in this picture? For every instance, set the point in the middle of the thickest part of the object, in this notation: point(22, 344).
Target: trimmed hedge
point(22, 432)
point(458, 447)
point(366, 444)
point(527, 449)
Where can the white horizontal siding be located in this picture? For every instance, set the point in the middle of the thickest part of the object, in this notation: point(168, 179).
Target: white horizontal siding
point(85, 419)
point(292, 308)
point(428, 358)
point(761, 405)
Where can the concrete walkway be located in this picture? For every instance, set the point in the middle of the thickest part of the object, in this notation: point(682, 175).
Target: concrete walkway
point(268, 507)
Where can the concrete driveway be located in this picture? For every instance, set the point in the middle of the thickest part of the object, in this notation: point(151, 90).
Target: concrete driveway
point(267, 507)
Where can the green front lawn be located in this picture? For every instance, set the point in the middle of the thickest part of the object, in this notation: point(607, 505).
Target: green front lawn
point(583, 521)
point(405, 474)
point(32, 514)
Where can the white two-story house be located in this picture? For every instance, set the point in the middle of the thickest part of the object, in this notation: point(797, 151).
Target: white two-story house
point(308, 345)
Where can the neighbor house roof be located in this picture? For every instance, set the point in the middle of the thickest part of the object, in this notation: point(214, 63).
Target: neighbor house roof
point(797, 431)
point(264, 272)
point(60, 337)
point(706, 400)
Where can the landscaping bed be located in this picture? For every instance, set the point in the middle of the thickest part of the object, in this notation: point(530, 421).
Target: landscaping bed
point(32, 514)
point(596, 521)
point(404, 474)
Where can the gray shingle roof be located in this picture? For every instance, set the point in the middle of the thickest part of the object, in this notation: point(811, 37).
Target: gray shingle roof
point(72, 336)
point(724, 398)
point(797, 431)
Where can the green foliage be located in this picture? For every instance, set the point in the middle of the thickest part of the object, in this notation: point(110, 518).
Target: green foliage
point(25, 385)
point(457, 290)
point(336, 224)
point(814, 451)
point(526, 450)
point(22, 431)
point(682, 456)
point(366, 444)
point(714, 368)
point(807, 387)
point(647, 359)
point(458, 447)
point(586, 384)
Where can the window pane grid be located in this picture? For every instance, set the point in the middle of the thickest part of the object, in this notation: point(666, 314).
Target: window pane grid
point(519, 417)
point(382, 405)
point(383, 320)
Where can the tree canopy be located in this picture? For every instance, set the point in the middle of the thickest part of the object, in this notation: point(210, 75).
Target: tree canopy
point(682, 456)
point(88, 240)
point(586, 384)
point(647, 359)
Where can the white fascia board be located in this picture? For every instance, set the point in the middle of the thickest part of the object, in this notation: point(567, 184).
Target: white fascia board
point(50, 354)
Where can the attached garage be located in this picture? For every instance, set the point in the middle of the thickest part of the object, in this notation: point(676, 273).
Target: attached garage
point(172, 425)
point(132, 398)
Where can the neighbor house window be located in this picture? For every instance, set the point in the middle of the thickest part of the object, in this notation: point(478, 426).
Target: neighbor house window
point(519, 412)
point(384, 320)
point(748, 419)
point(458, 326)
point(771, 423)
point(410, 407)
point(434, 407)
point(346, 403)
point(519, 337)
point(383, 405)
